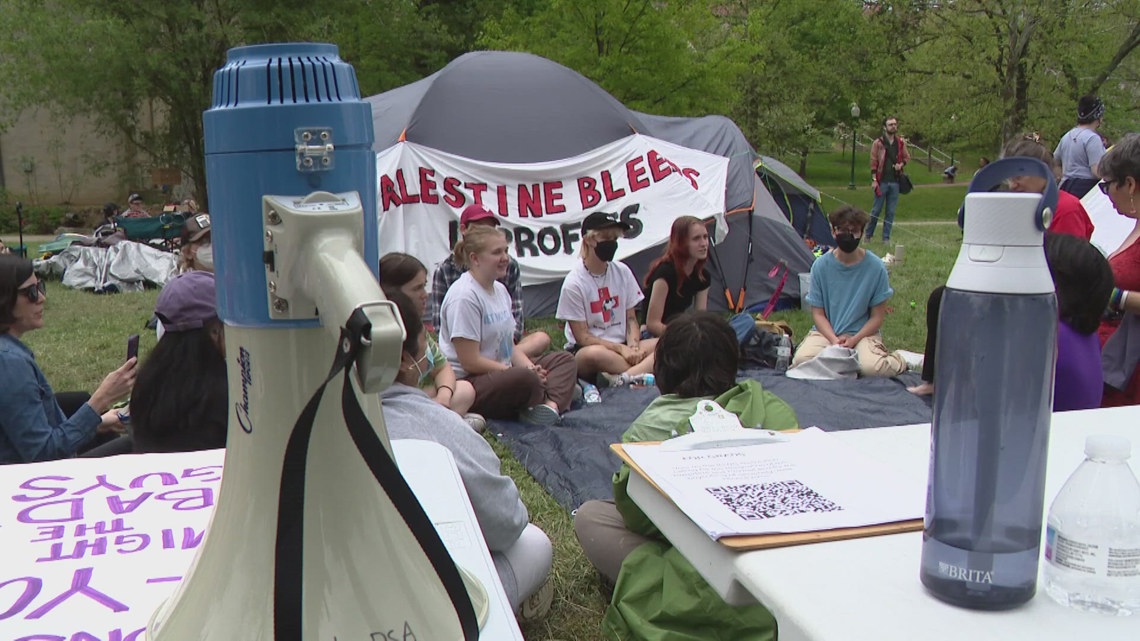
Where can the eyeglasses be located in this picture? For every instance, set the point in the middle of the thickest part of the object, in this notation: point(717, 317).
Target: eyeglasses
point(1105, 185)
point(34, 291)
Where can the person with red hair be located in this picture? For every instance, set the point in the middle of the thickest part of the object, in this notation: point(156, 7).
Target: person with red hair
point(678, 280)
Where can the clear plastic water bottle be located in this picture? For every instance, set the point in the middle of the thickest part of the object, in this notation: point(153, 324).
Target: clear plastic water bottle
point(643, 380)
point(1092, 542)
point(997, 337)
point(590, 394)
point(783, 353)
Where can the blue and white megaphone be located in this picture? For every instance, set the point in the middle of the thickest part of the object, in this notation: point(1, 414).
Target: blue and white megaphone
point(315, 536)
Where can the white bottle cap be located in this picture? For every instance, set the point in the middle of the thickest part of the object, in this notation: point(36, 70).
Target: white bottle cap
point(1108, 447)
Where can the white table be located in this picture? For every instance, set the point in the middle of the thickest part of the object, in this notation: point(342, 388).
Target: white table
point(869, 588)
point(430, 470)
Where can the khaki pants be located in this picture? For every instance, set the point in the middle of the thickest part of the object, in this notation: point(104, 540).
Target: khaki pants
point(604, 538)
point(874, 359)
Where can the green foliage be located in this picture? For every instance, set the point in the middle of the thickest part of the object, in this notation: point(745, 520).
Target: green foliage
point(672, 58)
point(978, 72)
point(38, 219)
point(144, 70)
point(809, 61)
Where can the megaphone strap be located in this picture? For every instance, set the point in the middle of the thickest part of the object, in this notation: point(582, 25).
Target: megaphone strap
point(289, 554)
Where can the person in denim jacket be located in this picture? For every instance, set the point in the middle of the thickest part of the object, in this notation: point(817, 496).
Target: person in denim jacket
point(33, 423)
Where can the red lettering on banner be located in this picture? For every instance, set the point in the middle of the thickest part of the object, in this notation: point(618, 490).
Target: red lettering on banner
point(530, 201)
point(453, 196)
point(476, 190)
point(427, 187)
point(608, 187)
point(552, 197)
point(404, 195)
point(658, 166)
point(388, 197)
point(636, 174)
point(588, 192)
point(501, 192)
point(691, 174)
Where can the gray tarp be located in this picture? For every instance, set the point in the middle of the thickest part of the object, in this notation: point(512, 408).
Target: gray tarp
point(574, 463)
point(124, 267)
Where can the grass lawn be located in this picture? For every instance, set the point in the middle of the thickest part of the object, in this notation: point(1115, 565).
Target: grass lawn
point(85, 338)
point(931, 200)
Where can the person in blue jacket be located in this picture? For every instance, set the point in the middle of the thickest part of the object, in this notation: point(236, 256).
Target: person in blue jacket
point(35, 423)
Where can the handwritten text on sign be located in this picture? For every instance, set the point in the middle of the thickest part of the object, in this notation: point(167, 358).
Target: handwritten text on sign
point(101, 547)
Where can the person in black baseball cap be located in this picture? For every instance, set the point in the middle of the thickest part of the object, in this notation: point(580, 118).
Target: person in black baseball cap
point(602, 220)
point(598, 303)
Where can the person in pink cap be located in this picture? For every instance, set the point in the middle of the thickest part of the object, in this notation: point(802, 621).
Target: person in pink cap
point(447, 272)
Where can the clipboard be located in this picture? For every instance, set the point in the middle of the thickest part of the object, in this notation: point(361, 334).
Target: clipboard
point(741, 543)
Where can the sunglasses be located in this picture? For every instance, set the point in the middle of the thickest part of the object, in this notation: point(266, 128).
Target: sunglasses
point(34, 291)
point(1105, 185)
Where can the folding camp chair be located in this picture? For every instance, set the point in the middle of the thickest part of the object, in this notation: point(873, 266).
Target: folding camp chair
point(160, 230)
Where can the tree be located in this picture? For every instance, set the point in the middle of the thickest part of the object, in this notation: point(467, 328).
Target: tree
point(986, 70)
point(671, 58)
point(144, 70)
point(808, 62)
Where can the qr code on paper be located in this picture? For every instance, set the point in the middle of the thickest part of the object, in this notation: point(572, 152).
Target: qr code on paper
point(758, 501)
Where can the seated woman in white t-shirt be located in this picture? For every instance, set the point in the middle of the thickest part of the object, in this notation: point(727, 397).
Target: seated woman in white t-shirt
point(598, 303)
point(476, 335)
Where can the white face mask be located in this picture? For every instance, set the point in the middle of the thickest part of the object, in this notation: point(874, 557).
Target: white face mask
point(205, 257)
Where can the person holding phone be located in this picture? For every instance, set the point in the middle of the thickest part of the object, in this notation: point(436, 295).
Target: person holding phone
point(36, 424)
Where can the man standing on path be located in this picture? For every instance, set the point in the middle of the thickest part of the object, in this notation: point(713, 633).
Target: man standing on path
point(888, 157)
point(1081, 148)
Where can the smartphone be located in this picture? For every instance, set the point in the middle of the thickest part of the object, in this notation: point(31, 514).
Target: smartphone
point(133, 346)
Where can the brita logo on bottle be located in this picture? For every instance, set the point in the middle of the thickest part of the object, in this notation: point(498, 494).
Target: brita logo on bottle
point(242, 408)
point(964, 574)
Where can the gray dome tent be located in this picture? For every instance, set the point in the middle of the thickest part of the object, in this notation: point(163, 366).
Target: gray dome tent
point(511, 107)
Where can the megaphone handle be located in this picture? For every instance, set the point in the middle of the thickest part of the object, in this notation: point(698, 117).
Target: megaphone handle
point(289, 553)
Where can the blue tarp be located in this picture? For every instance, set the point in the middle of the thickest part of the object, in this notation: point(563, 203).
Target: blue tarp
point(574, 463)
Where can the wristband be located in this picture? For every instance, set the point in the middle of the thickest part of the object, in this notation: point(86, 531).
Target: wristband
point(446, 387)
point(1116, 301)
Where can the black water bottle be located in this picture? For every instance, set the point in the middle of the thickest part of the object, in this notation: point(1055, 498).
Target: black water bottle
point(997, 338)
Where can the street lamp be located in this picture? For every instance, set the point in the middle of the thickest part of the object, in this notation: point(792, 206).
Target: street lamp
point(854, 134)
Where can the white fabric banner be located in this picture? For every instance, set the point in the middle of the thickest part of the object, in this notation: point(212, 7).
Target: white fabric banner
point(646, 181)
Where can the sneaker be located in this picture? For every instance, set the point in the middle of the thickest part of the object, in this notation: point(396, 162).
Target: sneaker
point(579, 391)
point(541, 414)
point(476, 421)
point(537, 605)
point(612, 380)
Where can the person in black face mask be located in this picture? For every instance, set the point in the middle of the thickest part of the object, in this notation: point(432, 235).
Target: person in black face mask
point(848, 297)
point(598, 303)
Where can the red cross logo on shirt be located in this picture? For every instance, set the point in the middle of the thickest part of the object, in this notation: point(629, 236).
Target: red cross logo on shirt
point(605, 305)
